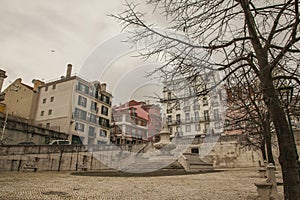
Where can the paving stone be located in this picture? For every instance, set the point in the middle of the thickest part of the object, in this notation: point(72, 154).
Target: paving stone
point(224, 185)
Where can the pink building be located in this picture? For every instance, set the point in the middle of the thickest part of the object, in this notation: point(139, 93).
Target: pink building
point(135, 122)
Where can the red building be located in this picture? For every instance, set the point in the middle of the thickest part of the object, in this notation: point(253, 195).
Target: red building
point(135, 122)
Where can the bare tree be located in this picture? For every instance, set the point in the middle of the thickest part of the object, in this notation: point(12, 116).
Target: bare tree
point(248, 114)
point(261, 37)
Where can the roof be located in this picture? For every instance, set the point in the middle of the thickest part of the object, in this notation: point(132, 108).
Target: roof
point(141, 112)
point(29, 87)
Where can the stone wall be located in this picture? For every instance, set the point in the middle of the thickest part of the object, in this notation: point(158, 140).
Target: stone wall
point(231, 154)
point(226, 153)
point(48, 158)
point(21, 130)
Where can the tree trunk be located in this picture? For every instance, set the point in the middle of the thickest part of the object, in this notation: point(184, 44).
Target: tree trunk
point(263, 149)
point(286, 145)
point(269, 149)
point(268, 139)
point(287, 157)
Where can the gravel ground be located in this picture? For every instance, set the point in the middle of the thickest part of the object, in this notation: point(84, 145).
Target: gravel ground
point(227, 185)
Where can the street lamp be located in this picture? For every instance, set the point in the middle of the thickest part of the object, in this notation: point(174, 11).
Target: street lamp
point(286, 97)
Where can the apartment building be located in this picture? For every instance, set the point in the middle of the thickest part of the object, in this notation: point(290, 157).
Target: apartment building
point(189, 113)
point(135, 122)
point(21, 100)
point(77, 107)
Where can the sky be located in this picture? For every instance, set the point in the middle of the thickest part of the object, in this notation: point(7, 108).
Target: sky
point(40, 37)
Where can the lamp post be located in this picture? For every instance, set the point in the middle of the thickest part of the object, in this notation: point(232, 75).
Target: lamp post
point(286, 96)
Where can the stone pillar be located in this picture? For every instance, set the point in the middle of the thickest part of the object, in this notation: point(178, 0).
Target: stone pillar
point(271, 178)
point(268, 188)
point(165, 145)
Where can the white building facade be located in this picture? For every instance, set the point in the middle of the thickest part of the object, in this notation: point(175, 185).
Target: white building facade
point(77, 107)
point(189, 113)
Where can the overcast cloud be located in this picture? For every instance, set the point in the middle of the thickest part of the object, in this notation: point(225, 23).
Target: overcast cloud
point(31, 29)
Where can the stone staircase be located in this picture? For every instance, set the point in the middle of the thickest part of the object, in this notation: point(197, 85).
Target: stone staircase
point(193, 163)
point(157, 163)
point(187, 162)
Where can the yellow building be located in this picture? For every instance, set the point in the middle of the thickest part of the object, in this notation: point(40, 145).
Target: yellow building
point(21, 99)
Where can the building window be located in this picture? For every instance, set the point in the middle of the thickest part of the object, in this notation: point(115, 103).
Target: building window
point(54, 86)
point(46, 88)
point(197, 127)
point(105, 99)
point(42, 113)
point(134, 131)
point(187, 117)
point(103, 122)
point(82, 140)
point(178, 118)
point(103, 133)
point(93, 118)
point(117, 118)
point(104, 110)
point(83, 88)
point(50, 112)
point(205, 101)
point(206, 115)
point(93, 106)
point(206, 127)
point(169, 118)
point(197, 117)
point(217, 125)
point(169, 95)
point(82, 101)
point(171, 129)
point(92, 131)
point(188, 128)
point(79, 126)
point(44, 100)
point(48, 125)
point(216, 114)
point(80, 114)
point(51, 99)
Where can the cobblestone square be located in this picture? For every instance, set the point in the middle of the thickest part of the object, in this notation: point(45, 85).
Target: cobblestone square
point(227, 185)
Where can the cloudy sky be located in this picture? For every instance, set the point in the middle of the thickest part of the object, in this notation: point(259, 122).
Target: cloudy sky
point(40, 37)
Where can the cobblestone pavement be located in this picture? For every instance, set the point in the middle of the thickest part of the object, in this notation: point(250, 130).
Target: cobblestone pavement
point(227, 185)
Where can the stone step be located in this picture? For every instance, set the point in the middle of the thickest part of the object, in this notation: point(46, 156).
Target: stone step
point(144, 165)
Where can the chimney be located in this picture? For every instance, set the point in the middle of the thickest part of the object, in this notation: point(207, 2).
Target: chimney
point(2, 77)
point(103, 87)
point(37, 84)
point(69, 71)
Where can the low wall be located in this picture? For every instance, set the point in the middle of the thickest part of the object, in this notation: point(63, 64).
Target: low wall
point(48, 158)
point(20, 130)
point(231, 154)
point(225, 153)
